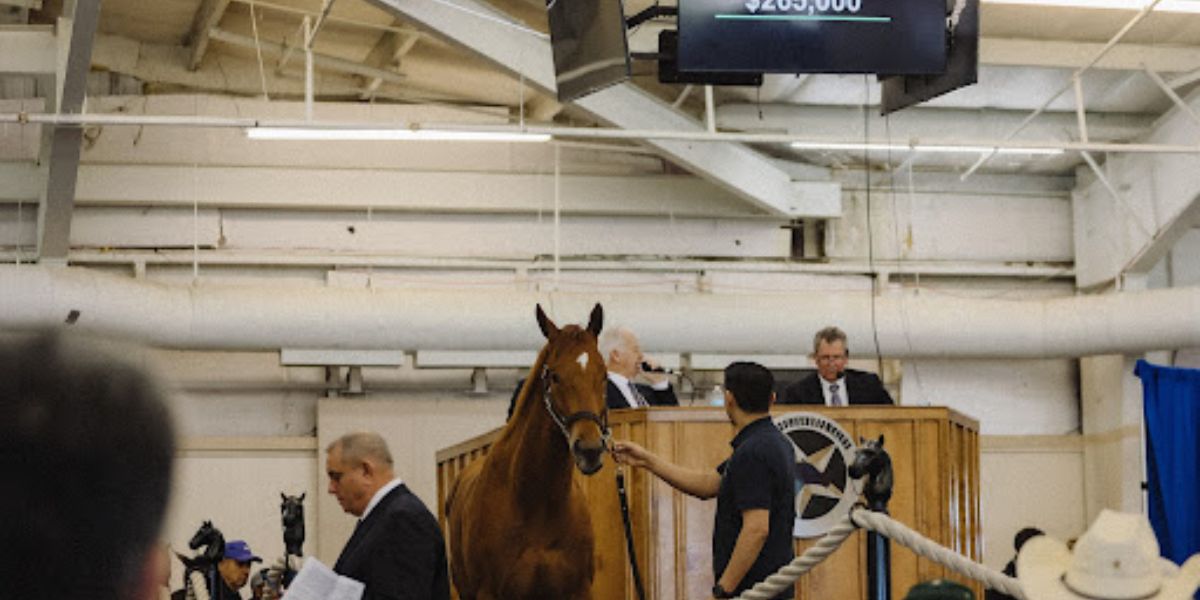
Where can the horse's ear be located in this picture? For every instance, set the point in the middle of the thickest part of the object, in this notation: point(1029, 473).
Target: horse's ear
point(549, 329)
point(302, 495)
point(596, 322)
point(282, 497)
point(881, 440)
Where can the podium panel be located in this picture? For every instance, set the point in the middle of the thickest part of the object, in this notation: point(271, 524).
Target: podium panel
point(935, 454)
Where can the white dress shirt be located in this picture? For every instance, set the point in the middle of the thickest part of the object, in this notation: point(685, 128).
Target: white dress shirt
point(383, 491)
point(622, 382)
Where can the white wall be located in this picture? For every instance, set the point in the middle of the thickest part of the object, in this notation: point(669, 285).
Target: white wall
point(415, 426)
point(1009, 397)
point(238, 490)
point(1028, 481)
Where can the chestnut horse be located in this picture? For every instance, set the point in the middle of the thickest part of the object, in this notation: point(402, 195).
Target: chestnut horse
point(518, 520)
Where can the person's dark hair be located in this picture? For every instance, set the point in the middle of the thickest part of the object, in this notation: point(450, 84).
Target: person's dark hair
point(86, 451)
point(751, 385)
point(1024, 535)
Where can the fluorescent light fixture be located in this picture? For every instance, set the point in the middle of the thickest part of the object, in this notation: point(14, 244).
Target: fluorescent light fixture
point(1183, 6)
point(334, 134)
point(923, 148)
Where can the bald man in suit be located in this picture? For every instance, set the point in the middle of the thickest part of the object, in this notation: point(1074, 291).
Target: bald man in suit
point(397, 549)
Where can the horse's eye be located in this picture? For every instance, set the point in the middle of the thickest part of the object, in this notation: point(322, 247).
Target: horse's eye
point(553, 377)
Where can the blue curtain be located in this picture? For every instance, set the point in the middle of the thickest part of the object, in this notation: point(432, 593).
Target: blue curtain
point(1172, 413)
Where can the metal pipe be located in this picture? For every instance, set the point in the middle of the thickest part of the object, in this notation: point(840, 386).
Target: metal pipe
point(688, 267)
point(571, 132)
point(710, 110)
point(909, 325)
point(1170, 92)
point(310, 35)
point(1080, 116)
point(341, 20)
point(309, 32)
point(1078, 73)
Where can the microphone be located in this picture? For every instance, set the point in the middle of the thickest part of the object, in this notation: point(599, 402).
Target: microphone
point(647, 368)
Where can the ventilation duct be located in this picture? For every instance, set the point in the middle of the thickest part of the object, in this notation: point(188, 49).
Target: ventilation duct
point(224, 317)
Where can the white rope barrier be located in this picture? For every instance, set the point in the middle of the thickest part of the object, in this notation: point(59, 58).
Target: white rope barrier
point(927, 548)
point(894, 530)
point(787, 576)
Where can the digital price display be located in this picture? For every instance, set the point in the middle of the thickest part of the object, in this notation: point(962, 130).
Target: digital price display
point(813, 36)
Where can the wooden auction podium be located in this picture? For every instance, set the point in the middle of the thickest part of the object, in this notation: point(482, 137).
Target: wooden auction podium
point(935, 452)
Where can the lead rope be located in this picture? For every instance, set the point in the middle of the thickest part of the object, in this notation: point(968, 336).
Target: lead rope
point(629, 547)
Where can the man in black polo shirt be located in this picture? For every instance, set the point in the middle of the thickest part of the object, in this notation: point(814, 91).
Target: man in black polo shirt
point(752, 533)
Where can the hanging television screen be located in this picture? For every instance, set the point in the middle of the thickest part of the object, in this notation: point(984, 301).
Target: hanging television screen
point(962, 65)
point(813, 36)
point(590, 49)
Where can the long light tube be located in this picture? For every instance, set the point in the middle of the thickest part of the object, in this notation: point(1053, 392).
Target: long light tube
point(334, 134)
point(1181, 6)
point(923, 148)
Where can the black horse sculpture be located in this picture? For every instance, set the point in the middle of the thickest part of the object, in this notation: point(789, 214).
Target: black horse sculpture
point(213, 542)
point(873, 462)
point(291, 511)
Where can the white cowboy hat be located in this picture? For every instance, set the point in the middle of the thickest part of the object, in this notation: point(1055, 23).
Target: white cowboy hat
point(1116, 559)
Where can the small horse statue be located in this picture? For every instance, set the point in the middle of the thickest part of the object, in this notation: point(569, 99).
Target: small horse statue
point(291, 512)
point(518, 521)
point(873, 462)
point(213, 542)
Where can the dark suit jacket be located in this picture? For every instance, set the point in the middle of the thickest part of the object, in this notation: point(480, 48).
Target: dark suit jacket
point(615, 399)
point(862, 388)
point(398, 551)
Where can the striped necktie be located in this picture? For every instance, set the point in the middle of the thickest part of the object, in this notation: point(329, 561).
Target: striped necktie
point(835, 398)
point(638, 400)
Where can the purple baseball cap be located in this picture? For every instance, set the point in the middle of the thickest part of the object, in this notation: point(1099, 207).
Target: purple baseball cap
point(239, 550)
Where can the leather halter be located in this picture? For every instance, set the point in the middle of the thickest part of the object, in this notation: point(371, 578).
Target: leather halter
point(564, 424)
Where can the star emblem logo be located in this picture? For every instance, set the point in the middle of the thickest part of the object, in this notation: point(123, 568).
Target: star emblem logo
point(820, 474)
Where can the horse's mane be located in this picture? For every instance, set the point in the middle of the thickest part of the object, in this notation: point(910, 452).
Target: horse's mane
point(569, 334)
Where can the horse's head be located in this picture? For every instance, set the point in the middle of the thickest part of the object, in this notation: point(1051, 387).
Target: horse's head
point(573, 379)
point(872, 461)
point(203, 536)
point(869, 458)
point(291, 508)
point(213, 541)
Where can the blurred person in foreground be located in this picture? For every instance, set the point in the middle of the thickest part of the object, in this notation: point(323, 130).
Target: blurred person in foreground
point(86, 448)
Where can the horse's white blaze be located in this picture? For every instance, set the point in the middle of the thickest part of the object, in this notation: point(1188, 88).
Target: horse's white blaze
point(583, 361)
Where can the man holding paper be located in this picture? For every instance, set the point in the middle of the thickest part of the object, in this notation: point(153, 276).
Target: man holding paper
point(397, 549)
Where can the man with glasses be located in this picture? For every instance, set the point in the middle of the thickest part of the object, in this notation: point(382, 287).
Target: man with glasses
point(833, 384)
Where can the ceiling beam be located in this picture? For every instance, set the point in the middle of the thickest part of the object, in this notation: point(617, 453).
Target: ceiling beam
point(276, 188)
point(526, 53)
point(208, 16)
point(28, 50)
point(323, 61)
point(387, 53)
point(61, 145)
point(1126, 230)
point(1164, 239)
point(1017, 52)
point(1024, 52)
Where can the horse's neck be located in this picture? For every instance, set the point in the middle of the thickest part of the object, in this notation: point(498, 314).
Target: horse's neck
point(533, 450)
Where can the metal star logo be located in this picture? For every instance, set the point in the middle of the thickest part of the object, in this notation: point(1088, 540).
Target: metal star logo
point(820, 478)
point(818, 489)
